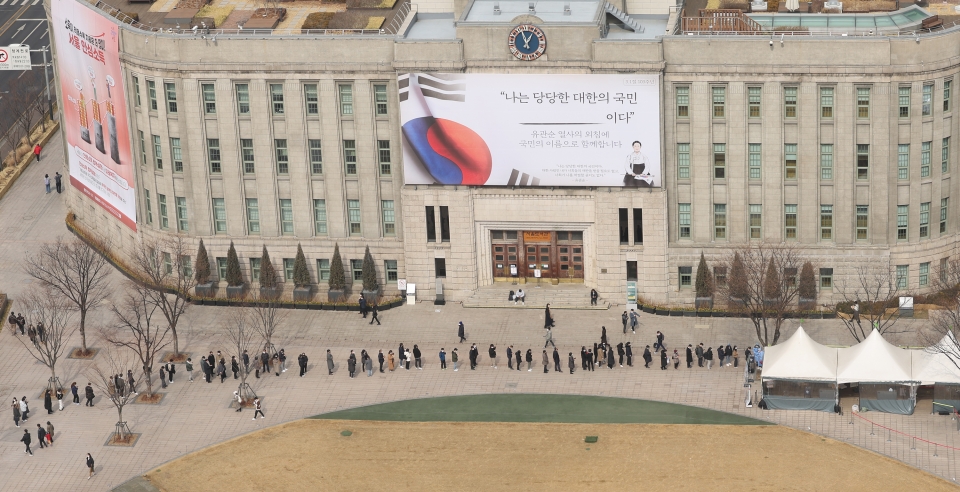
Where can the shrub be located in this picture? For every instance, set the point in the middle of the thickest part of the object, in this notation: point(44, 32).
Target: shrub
point(317, 20)
point(808, 284)
point(337, 280)
point(201, 269)
point(771, 282)
point(739, 288)
point(704, 285)
point(234, 275)
point(268, 274)
point(369, 272)
point(301, 276)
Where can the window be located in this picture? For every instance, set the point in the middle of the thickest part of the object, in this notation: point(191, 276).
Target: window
point(719, 161)
point(902, 271)
point(170, 90)
point(323, 270)
point(826, 222)
point(756, 219)
point(683, 161)
point(152, 94)
point(177, 154)
point(683, 220)
point(356, 267)
point(350, 156)
point(143, 149)
point(162, 200)
point(903, 161)
point(790, 276)
point(311, 98)
point(246, 155)
point(383, 153)
point(222, 268)
point(209, 98)
point(903, 221)
point(945, 155)
point(863, 221)
point(826, 278)
point(380, 99)
point(863, 102)
point(320, 217)
point(149, 206)
point(924, 220)
point(719, 221)
point(254, 269)
point(167, 263)
point(353, 213)
point(924, 274)
point(276, 97)
point(286, 217)
point(157, 152)
point(790, 161)
point(925, 159)
point(790, 222)
point(719, 101)
point(440, 265)
point(136, 90)
point(720, 276)
point(219, 216)
point(283, 158)
point(287, 269)
point(213, 154)
point(753, 101)
point(389, 220)
point(686, 276)
point(444, 223)
point(826, 102)
point(316, 156)
point(754, 161)
point(186, 266)
point(863, 161)
point(944, 202)
point(638, 226)
point(631, 270)
point(243, 98)
point(826, 161)
point(790, 102)
point(903, 97)
point(346, 99)
point(683, 102)
point(431, 225)
point(926, 107)
point(946, 95)
point(253, 216)
point(182, 223)
point(624, 227)
point(390, 267)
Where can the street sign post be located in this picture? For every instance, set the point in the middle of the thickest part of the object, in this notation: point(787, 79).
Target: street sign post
point(15, 57)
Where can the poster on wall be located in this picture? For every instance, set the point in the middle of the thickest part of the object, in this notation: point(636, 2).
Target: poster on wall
point(531, 130)
point(95, 110)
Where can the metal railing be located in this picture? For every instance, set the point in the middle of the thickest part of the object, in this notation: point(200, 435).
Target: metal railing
point(912, 33)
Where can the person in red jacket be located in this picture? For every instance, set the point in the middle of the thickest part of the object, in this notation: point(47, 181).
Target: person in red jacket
point(36, 151)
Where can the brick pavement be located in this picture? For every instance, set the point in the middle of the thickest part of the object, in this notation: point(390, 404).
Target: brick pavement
point(195, 415)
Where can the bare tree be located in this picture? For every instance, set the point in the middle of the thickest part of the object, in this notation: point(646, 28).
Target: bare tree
point(108, 376)
point(944, 327)
point(19, 102)
point(763, 285)
point(874, 290)
point(240, 331)
point(74, 271)
point(267, 317)
point(136, 329)
point(54, 312)
point(164, 270)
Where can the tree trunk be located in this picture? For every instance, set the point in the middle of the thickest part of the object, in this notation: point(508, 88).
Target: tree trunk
point(176, 341)
point(83, 331)
point(149, 378)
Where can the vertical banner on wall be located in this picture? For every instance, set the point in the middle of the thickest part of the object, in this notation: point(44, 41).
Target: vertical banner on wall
point(94, 108)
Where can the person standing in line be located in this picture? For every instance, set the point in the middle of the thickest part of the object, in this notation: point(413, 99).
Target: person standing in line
point(58, 180)
point(629, 352)
point(519, 355)
point(546, 362)
point(596, 353)
point(443, 359)
point(26, 440)
point(380, 359)
point(708, 356)
point(721, 353)
point(407, 356)
point(689, 356)
point(609, 357)
point(676, 360)
point(25, 408)
point(529, 360)
point(583, 358)
point(47, 402)
point(259, 407)
point(510, 357)
point(663, 359)
point(172, 369)
point(417, 357)
point(375, 314)
point(264, 361)
point(548, 318)
point(460, 332)
point(235, 367)
point(620, 353)
point(189, 367)
point(16, 412)
point(736, 357)
point(368, 364)
point(246, 362)
point(49, 432)
point(41, 436)
point(46, 182)
point(493, 355)
point(624, 318)
point(163, 377)
point(36, 152)
point(556, 360)
point(88, 392)
point(647, 357)
point(205, 369)
point(60, 398)
point(302, 362)
point(474, 354)
point(570, 362)
point(589, 361)
point(549, 338)
point(391, 361)
point(728, 350)
point(352, 364)
point(699, 353)
point(454, 359)
point(402, 355)
point(330, 364)
point(282, 357)
point(90, 465)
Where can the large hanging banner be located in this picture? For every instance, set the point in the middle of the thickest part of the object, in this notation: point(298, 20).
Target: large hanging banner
point(95, 110)
point(531, 130)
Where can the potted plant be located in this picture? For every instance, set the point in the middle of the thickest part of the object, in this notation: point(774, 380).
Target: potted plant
point(268, 278)
point(235, 287)
point(201, 273)
point(301, 277)
point(368, 273)
point(807, 290)
point(337, 281)
point(704, 285)
point(676, 311)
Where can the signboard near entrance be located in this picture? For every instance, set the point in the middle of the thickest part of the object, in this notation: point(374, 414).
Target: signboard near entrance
point(536, 236)
point(631, 294)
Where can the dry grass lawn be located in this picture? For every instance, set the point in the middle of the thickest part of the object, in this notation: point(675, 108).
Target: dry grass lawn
point(418, 456)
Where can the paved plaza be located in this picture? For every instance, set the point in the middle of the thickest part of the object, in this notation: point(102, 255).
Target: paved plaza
point(195, 415)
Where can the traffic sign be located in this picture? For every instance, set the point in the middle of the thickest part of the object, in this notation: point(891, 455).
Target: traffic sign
point(15, 57)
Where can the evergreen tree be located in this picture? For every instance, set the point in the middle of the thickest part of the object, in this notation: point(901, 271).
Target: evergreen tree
point(808, 284)
point(268, 274)
point(337, 280)
point(704, 285)
point(301, 276)
point(771, 282)
point(369, 272)
point(201, 269)
point(739, 288)
point(234, 274)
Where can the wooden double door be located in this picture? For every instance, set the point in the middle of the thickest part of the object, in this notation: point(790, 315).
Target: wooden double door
point(556, 254)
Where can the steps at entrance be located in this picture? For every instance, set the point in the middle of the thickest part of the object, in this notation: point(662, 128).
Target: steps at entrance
point(563, 296)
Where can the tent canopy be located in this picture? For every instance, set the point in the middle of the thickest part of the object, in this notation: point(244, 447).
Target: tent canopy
point(800, 358)
point(932, 366)
point(874, 360)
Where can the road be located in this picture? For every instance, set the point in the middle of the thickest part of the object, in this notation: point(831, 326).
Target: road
point(22, 22)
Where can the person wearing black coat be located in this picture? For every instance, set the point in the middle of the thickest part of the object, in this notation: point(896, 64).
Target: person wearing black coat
point(264, 361)
point(246, 362)
point(571, 363)
point(352, 364)
point(593, 297)
point(460, 332)
point(620, 353)
point(212, 361)
point(663, 359)
point(88, 392)
point(589, 360)
point(380, 359)
point(519, 356)
point(26, 440)
point(474, 355)
point(708, 356)
point(363, 306)
point(302, 360)
point(417, 361)
point(234, 366)
point(205, 368)
point(647, 357)
point(47, 402)
point(556, 360)
point(699, 352)
point(596, 354)
point(402, 355)
point(721, 353)
point(689, 356)
point(529, 358)
point(547, 318)
point(492, 352)
point(41, 435)
point(629, 350)
point(583, 358)
point(603, 335)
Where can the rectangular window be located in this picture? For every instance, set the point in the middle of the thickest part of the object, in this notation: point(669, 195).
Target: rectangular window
point(790, 222)
point(826, 102)
point(624, 226)
point(826, 161)
point(383, 154)
point(380, 99)
point(253, 216)
point(243, 98)
point(176, 153)
point(631, 270)
point(356, 267)
point(440, 265)
point(390, 267)
point(143, 148)
point(254, 269)
point(719, 102)
point(826, 222)
point(276, 98)
point(152, 94)
point(947, 84)
point(162, 200)
point(288, 269)
point(323, 270)
point(219, 216)
point(826, 278)
point(283, 157)
point(320, 217)
point(903, 98)
point(903, 222)
point(186, 266)
point(353, 214)
point(863, 161)
point(903, 161)
point(863, 102)
point(945, 155)
point(925, 148)
point(222, 268)
point(136, 90)
point(719, 221)
point(286, 217)
point(444, 224)
point(246, 155)
point(683, 161)
point(924, 274)
point(170, 90)
point(790, 161)
point(756, 221)
point(182, 223)
point(924, 220)
point(350, 156)
point(213, 154)
point(720, 276)
point(719, 161)
point(157, 152)
point(431, 225)
point(686, 276)
point(346, 99)
point(753, 101)
point(902, 272)
point(790, 102)
point(754, 161)
point(683, 102)
point(209, 98)
point(149, 206)
point(316, 156)
point(167, 263)
point(926, 107)
point(683, 220)
point(638, 226)
point(863, 221)
point(389, 219)
point(944, 202)
point(312, 99)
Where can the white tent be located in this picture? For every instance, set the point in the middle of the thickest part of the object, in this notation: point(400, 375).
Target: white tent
point(800, 358)
point(932, 368)
point(874, 360)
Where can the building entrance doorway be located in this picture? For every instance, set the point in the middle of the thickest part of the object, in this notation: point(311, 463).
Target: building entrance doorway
point(525, 254)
